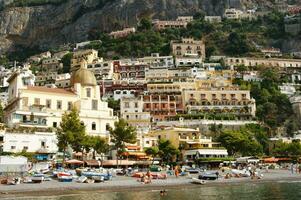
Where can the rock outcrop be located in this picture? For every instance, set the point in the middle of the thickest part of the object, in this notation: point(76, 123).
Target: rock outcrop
point(48, 26)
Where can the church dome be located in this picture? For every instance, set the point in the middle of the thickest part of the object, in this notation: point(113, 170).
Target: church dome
point(83, 76)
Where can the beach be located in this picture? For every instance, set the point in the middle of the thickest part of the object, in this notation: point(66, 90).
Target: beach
point(121, 183)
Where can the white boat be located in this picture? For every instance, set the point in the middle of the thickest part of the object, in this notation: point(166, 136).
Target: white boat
point(38, 178)
point(243, 173)
point(81, 179)
point(198, 181)
point(98, 179)
point(13, 181)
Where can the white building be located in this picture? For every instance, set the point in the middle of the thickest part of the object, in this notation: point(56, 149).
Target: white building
point(157, 61)
point(205, 153)
point(131, 109)
point(213, 19)
point(287, 89)
point(43, 143)
point(62, 80)
point(188, 61)
point(32, 106)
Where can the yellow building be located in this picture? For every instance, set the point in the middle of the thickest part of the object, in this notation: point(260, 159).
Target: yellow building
point(89, 55)
point(190, 141)
point(188, 47)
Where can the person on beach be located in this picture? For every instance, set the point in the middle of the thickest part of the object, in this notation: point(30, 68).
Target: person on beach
point(177, 171)
point(149, 176)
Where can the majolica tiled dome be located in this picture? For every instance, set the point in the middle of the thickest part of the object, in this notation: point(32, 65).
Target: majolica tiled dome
point(83, 76)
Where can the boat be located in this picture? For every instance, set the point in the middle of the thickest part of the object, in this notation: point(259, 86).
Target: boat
point(64, 177)
point(81, 179)
point(198, 181)
point(208, 176)
point(90, 174)
point(242, 173)
point(98, 179)
point(13, 181)
point(37, 178)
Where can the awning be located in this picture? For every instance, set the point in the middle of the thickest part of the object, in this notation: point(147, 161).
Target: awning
point(74, 162)
point(133, 147)
point(270, 160)
point(93, 162)
point(138, 154)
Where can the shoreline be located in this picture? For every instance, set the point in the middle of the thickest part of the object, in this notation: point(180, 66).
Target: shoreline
point(126, 184)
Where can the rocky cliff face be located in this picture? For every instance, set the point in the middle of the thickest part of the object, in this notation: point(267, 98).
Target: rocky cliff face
point(47, 26)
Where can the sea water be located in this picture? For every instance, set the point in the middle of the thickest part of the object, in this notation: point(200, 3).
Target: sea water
point(280, 190)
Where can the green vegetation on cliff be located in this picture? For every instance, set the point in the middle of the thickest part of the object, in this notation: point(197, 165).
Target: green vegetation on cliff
point(230, 37)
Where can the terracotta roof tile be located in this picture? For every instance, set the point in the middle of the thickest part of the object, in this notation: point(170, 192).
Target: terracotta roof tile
point(50, 90)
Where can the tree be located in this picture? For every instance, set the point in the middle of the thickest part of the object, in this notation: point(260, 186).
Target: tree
point(71, 132)
point(122, 133)
point(166, 150)
point(240, 142)
point(153, 152)
point(66, 60)
point(100, 146)
point(114, 104)
point(237, 44)
point(288, 150)
point(145, 25)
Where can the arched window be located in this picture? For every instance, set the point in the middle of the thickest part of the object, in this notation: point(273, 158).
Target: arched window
point(93, 126)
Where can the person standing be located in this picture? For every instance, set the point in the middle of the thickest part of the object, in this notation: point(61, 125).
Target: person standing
point(176, 171)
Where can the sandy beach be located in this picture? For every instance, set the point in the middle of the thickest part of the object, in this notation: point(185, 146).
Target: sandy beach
point(125, 183)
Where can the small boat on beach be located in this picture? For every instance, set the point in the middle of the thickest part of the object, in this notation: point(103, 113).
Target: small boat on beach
point(81, 179)
point(37, 178)
point(208, 176)
point(198, 181)
point(13, 181)
point(64, 177)
point(90, 174)
point(98, 179)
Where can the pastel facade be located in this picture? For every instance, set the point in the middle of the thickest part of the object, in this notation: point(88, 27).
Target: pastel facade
point(188, 47)
point(131, 109)
point(155, 61)
point(89, 55)
point(269, 62)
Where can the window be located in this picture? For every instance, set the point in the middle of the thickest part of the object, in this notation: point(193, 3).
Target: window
point(69, 105)
point(25, 148)
point(48, 103)
point(136, 105)
point(126, 105)
point(59, 105)
point(43, 144)
point(13, 147)
point(54, 124)
point(88, 92)
point(93, 126)
point(94, 104)
point(37, 101)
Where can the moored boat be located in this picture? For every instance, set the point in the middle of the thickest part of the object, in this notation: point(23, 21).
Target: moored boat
point(198, 181)
point(64, 177)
